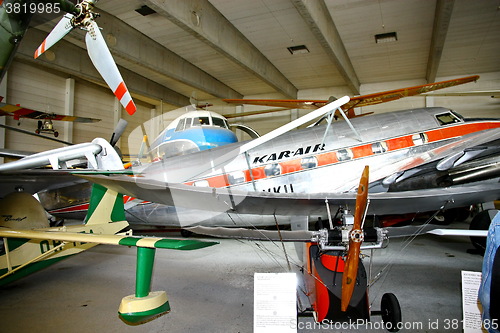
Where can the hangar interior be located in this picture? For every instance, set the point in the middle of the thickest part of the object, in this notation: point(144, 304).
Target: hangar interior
point(173, 52)
point(169, 52)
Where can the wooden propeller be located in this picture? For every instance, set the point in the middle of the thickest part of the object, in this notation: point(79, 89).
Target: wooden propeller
point(355, 239)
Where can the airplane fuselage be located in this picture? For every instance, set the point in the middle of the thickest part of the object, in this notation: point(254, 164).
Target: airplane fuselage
point(300, 162)
point(299, 167)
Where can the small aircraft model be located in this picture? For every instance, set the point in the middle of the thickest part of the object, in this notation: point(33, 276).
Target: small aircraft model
point(335, 279)
point(29, 244)
point(45, 119)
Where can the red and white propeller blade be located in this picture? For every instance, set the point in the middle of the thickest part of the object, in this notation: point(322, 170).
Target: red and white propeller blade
point(103, 61)
point(60, 30)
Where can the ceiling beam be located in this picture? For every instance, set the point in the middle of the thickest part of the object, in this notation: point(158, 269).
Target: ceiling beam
point(202, 20)
point(138, 52)
point(317, 16)
point(65, 57)
point(442, 17)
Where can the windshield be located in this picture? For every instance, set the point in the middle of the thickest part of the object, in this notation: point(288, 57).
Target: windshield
point(448, 118)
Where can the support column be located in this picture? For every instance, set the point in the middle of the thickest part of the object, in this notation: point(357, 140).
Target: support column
point(69, 109)
point(429, 101)
point(154, 128)
point(3, 92)
point(240, 109)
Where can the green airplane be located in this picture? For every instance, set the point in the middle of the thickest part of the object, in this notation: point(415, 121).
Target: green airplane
point(15, 18)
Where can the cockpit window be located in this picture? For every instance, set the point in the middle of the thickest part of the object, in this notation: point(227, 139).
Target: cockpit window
point(201, 121)
point(448, 118)
point(220, 122)
point(180, 125)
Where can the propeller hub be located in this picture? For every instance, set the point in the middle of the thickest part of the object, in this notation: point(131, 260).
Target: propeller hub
point(357, 235)
point(84, 15)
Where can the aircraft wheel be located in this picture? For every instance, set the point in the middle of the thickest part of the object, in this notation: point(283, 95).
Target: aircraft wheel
point(56, 134)
point(451, 215)
point(391, 312)
point(481, 221)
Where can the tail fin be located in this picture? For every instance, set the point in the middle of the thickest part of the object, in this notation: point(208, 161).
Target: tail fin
point(105, 206)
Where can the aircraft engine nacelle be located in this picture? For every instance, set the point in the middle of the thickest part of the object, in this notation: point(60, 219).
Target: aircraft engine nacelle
point(20, 210)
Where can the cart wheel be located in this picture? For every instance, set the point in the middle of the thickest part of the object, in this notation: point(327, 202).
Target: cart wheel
point(391, 312)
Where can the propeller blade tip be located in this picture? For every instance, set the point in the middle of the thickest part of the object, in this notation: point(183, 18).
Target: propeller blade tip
point(131, 108)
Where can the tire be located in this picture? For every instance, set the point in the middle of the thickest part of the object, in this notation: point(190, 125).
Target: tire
point(391, 312)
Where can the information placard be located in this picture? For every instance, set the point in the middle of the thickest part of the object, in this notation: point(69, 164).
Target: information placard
point(275, 302)
point(472, 322)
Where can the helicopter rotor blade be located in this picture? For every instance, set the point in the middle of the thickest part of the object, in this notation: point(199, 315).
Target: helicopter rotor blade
point(103, 61)
point(60, 30)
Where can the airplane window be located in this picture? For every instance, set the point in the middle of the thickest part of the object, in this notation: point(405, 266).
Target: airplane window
point(220, 122)
point(180, 125)
point(203, 121)
point(344, 155)
point(237, 177)
point(419, 139)
point(447, 118)
point(201, 183)
point(309, 162)
point(272, 170)
point(379, 147)
point(188, 123)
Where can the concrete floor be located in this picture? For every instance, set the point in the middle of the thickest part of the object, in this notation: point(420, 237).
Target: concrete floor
point(211, 290)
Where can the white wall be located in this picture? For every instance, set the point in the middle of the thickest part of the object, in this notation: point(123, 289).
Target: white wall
point(38, 89)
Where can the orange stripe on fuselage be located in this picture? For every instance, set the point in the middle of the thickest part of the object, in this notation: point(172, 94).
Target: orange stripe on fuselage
point(364, 150)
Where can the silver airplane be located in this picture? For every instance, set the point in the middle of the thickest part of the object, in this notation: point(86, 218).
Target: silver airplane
point(420, 160)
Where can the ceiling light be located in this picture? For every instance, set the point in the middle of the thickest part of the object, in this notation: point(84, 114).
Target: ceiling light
point(145, 10)
point(386, 38)
point(299, 49)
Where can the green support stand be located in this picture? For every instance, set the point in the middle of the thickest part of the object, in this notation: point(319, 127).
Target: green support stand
point(145, 305)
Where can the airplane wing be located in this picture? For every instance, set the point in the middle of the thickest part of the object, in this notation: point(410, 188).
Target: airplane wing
point(355, 102)
point(150, 242)
point(33, 181)
point(300, 204)
point(489, 93)
point(19, 112)
point(266, 203)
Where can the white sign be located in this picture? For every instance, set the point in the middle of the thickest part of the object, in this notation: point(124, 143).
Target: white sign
point(471, 306)
point(275, 297)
